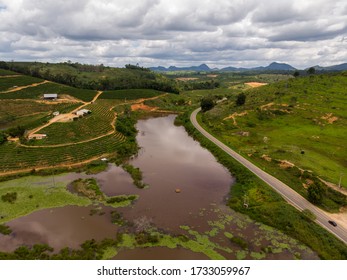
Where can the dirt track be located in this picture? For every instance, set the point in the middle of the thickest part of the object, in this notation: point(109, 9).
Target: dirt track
point(24, 87)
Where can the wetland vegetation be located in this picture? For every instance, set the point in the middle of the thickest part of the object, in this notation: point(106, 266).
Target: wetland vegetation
point(308, 112)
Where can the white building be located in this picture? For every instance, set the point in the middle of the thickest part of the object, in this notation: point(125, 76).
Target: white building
point(83, 112)
point(50, 96)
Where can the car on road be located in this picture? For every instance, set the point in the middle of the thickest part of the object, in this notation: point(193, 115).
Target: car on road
point(332, 223)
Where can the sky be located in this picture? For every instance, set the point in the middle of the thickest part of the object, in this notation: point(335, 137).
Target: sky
point(220, 33)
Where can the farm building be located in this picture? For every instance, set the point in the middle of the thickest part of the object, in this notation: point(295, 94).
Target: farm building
point(37, 136)
point(56, 113)
point(50, 96)
point(83, 112)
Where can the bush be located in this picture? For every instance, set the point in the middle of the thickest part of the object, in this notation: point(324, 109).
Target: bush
point(207, 103)
point(241, 99)
point(5, 230)
point(3, 138)
point(9, 197)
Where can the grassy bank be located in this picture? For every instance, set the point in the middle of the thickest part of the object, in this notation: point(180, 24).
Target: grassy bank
point(266, 206)
point(35, 193)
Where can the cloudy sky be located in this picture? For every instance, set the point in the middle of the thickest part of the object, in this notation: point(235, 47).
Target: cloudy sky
point(220, 33)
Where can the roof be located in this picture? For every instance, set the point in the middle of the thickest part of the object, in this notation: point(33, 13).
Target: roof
point(37, 135)
point(50, 95)
point(83, 111)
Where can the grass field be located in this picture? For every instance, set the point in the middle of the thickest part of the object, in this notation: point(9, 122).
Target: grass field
point(302, 121)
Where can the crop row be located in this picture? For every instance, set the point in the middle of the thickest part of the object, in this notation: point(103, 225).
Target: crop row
point(17, 81)
point(14, 157)
point(38, 91)
point(94, 125)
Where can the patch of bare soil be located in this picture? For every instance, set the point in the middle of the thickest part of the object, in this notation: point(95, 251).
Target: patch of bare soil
point(334, 187)
point(186, 79)
point(341, 218)
point(266, 157)
point(65, 118)
point(242, 133)
point(143, 107)
point(286, 164)
point(255, 84)
point(233, 116)
point(266, 106)
point(212, 76)
point(329, 118)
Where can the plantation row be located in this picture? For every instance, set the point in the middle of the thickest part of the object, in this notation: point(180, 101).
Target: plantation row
point(29, 114)
point(11, 82)
point(96, 124)
point(38, 91)
point(4, 72)
point(13, 157)
point(130, 94)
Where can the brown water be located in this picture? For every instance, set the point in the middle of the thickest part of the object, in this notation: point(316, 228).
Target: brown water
point(67, 226)
point(169, 159)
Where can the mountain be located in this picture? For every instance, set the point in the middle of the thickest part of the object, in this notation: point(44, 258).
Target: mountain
point(274, 66)
point(339, 67)
point(202, 67)
point(279, 66)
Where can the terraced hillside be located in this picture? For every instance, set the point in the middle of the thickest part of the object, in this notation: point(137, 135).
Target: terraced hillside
point(70, 140)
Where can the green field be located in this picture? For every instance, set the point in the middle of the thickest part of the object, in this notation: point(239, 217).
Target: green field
point(38, 91)
point(130, 94)
point(302, 121)
point(12, 82)
point(4, 72)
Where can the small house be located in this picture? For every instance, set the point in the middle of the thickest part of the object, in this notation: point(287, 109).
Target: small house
point(50, 96)
point(56, 113)
point(83, 112)
point(37, 136)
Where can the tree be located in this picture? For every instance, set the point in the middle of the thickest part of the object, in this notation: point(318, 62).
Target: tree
point(16, 131)
point(296, 73)
point(315, 193)
point(207, 103)
point(311, 71)
point(3, 138)
point(241, 99)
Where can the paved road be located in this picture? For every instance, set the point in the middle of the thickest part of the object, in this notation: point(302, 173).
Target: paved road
point(287, 193)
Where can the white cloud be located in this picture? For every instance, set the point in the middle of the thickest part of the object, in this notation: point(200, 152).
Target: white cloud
point(164, 32)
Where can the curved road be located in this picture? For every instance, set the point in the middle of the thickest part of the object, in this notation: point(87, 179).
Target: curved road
point(287, 193)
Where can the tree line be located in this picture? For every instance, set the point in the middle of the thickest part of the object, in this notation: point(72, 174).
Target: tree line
point(132, 77)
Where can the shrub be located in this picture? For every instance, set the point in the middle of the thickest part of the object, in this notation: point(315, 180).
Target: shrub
point(9, 197)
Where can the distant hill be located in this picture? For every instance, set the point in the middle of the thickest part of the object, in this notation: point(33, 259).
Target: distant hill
point(274, 66)
point(339, 67)
point(202, 67)
point(279, 66)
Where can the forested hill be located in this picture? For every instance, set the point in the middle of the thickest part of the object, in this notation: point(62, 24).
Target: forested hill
point(96, 77)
